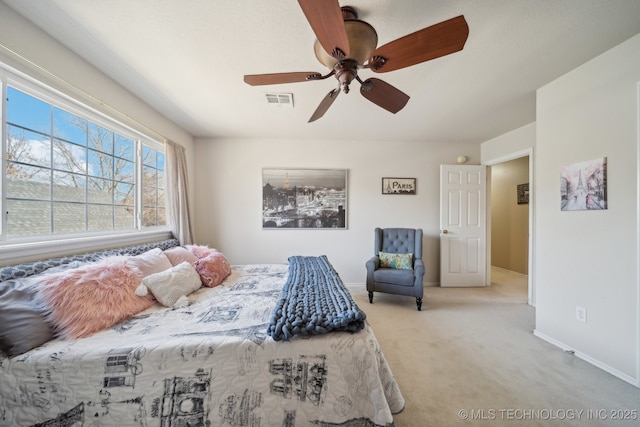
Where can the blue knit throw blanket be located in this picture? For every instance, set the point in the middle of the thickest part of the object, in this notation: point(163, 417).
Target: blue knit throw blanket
point(313, 301)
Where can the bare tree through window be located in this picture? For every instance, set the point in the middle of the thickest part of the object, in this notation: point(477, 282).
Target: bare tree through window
point(67, 174)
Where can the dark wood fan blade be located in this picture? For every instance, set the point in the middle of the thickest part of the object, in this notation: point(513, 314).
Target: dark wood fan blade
point(325, 18)
point(429, 43)
point(278, 78)
point(324, 105)
point(384, 95)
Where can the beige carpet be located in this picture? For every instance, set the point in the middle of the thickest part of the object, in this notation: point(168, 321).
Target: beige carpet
point(470, 358)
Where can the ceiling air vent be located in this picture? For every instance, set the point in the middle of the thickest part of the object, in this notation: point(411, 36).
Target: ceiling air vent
point(280, 99)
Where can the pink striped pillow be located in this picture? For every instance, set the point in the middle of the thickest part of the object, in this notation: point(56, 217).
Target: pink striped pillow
point(93, 297)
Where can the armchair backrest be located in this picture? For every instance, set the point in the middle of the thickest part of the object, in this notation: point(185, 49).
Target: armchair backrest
point(398, 241)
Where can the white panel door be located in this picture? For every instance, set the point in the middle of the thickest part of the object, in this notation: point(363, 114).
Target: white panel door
point(463, 227)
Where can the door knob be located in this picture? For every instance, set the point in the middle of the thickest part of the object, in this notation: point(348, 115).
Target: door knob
point(445, 231)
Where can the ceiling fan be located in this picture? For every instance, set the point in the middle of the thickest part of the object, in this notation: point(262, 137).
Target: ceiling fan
point(346, 44)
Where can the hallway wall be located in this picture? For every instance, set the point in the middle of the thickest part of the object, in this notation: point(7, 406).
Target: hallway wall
point(589, 259)
point(509, 220)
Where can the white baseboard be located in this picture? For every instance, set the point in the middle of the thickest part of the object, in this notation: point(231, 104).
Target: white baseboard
point(616, 373)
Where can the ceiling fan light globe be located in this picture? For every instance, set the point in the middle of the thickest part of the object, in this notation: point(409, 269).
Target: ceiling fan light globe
point(363, 40)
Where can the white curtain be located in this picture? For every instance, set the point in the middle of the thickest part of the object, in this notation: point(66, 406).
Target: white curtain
point(177, 193)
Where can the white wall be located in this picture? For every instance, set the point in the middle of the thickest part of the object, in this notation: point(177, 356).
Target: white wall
point(229, 198)
point(590, 259)
point(517, 143)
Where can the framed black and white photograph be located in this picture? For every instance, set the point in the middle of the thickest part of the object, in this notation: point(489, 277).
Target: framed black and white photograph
point(304, 198)
point(398, 185)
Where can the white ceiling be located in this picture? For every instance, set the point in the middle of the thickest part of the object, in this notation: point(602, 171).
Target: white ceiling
point(187, 59)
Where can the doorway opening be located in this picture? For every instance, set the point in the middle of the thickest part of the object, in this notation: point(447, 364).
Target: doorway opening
point(509, 210)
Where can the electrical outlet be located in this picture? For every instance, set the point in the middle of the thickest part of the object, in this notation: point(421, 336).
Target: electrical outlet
point(581, 314)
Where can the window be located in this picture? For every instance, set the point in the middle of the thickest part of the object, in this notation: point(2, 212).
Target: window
point(69, 170)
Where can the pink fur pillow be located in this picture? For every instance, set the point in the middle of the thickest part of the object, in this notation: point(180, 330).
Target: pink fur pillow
point(213, 269)
point(200, 251)
point(90, 298)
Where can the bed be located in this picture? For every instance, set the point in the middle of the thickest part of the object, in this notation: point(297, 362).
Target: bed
point(211, 362)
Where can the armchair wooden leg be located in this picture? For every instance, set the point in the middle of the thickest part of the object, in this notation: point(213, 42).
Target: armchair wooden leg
point(370, 297)
point(419, 303)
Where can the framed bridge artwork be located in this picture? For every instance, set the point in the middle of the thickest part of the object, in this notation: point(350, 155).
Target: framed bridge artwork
point(304, 198)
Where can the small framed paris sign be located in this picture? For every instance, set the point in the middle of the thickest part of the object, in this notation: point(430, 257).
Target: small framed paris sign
point(398, 186)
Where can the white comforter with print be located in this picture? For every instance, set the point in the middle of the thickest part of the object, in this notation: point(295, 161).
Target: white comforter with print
point(210, 363)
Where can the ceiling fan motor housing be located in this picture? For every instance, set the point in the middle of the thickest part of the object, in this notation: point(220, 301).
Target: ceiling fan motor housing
point(363, 40)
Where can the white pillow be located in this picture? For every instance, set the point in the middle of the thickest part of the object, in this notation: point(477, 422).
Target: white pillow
point(151, 262)
point(170, 287)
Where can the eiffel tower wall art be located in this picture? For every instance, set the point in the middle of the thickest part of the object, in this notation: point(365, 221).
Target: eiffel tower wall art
point(583, 186)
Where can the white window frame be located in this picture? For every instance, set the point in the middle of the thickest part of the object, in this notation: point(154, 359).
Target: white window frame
point(18, 249)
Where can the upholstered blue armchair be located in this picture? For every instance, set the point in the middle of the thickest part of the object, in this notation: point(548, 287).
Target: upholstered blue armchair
point(396, 267)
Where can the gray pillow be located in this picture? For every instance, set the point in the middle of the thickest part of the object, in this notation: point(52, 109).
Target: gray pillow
point(23, 324)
